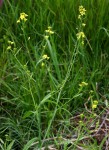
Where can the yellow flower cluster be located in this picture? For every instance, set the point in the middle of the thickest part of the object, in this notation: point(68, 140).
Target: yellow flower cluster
point(80, 35)
point(94, 104)
point(45, 57)
point(46, 37)
point(82, 84)
point(82, 12)
point(10, 45)
point(23, 17)
point(83, 24)
point(10, 42)
point(48, 32)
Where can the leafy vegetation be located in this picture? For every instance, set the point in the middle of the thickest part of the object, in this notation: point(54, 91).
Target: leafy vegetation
point(54, 68)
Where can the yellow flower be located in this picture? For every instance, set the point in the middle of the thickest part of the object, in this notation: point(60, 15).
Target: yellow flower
point(10, 42)
point(9, 47)
point(94, 104)
point(49, 27)
point(49, 31)
point(94, 114)
point(45, 57)
point(22, 17)
point(46, 37)
point(25, 19)
point(83, 24)
point(80, 35)
point(79, 16)
point(83, 84)
point(82, 10)
point(18, 21)
point(29, 38)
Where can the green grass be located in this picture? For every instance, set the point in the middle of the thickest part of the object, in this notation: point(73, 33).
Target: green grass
point(37, 102)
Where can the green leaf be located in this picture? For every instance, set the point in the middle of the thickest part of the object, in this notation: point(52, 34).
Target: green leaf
point(27, 114)
point(10, 145)
point(102, 142)
point(29, 144)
